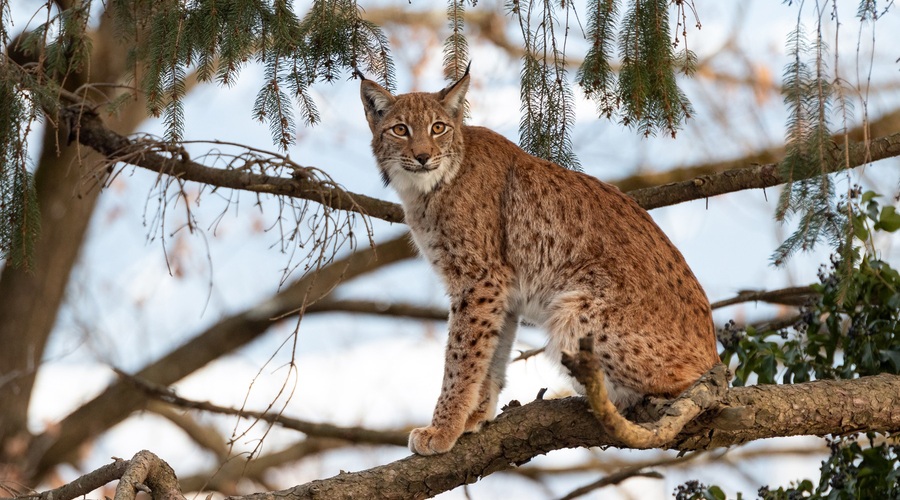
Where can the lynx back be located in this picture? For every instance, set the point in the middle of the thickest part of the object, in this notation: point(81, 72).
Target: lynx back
point(514, 236)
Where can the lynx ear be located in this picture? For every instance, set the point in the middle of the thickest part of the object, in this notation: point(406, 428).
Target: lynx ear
point(454, 97)
point(376, 101)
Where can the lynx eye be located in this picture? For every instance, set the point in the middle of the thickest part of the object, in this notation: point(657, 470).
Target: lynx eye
point(438, 128)
point(400, 130)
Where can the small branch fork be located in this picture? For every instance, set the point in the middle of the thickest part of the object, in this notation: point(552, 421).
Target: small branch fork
point(703, 395)
point(144, 472)
point(148, 473)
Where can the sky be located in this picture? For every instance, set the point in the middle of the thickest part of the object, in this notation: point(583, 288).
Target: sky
point(141, 288)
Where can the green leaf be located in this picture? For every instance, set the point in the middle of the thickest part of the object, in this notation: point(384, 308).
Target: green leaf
point(714, 493)
point(859, 228)
point(868, 196)
point(889, 220)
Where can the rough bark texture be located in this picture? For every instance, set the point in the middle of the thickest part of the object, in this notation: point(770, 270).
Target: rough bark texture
point(519, 434)
point(148, 473)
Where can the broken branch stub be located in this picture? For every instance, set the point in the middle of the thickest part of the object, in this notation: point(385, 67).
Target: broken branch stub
point(151, 474)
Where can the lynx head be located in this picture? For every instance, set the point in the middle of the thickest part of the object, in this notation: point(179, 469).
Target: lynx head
point(417, 137)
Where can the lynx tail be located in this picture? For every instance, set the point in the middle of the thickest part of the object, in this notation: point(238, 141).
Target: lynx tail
point(703, 395)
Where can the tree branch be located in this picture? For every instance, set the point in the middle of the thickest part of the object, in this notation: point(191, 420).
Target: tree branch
point(148, 473)
point(792, 296)
point(84, 484)
point(522, 433)
point(885, 125)
point(379, 308)
point(352, 434)
point(90, 131)
point(120, 399)
point(761, 176)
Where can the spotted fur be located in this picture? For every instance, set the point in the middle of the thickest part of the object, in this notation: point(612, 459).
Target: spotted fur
point(514, 236)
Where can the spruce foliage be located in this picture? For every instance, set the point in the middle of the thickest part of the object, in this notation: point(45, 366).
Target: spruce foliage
point(809, 194)
point(596, 75)
point(646, 94)
point(456, 47)
point(218, 37)
point(650, 95)
point(548, 108)
point(19, 215)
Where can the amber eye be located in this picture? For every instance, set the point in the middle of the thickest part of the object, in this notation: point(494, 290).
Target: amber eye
point(438, 128)
point(400, 130)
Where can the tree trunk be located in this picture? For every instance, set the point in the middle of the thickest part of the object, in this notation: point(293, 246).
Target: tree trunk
point(68, 180)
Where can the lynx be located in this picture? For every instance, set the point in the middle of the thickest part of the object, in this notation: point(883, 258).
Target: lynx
point(517, 237)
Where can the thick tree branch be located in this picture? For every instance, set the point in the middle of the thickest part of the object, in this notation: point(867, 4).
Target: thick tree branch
point(883, 126)
point(522, 433)
point(761, 176)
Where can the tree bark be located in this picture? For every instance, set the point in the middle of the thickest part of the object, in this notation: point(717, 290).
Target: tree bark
point(67, 184)
point(522, 433)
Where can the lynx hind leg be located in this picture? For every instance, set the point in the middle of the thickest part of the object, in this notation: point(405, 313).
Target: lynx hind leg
point(576, 315)
point(496, 379)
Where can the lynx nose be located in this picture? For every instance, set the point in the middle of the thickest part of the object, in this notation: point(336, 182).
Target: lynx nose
point(423, 158)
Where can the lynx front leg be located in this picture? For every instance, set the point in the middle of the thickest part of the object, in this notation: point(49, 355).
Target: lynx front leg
point(496, 379)
point(476, 321)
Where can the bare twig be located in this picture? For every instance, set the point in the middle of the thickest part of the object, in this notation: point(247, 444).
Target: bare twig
point(352, 434)
point(793, 296)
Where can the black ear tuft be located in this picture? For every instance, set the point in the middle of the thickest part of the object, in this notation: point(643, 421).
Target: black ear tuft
point(376, 101)
point(454, 97)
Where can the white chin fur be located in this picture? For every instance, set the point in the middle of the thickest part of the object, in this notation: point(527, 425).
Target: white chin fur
point(416, 183)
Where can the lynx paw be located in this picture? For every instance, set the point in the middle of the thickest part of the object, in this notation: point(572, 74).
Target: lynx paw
point(431, 440)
